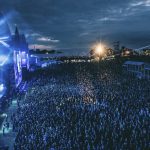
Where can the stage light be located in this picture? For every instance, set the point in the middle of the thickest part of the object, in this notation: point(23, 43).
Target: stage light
point(2, 21)
point(99, 49)
point(1, 87)
point(3, 59)
point(4, 43)
point(4, 38)
point(23, 52)
point(3, 115)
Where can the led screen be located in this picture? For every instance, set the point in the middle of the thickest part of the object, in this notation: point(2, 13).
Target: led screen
point(17, 68)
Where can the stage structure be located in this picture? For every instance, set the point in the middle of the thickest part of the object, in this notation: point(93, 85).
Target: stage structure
point(21, 56)
point(14, 57)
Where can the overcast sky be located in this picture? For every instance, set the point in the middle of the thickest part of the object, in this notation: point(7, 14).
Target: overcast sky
point(80, 23)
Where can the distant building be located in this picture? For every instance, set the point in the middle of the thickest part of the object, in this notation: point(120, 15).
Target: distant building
point(127, 52)
point(116, 46)
point(139, 69)
point(146, 52)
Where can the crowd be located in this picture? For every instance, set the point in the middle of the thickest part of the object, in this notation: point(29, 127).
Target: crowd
point(6, 94)
point(83, 106)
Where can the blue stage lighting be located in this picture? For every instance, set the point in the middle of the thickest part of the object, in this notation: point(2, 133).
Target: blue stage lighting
point(4, 43)
point(4, 38)
point(1, 87)
point(2, 21)
point(17, 67)
point(3, 59)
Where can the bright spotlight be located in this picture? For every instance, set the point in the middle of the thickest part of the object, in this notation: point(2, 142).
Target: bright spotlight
point(4, 43)
point(99, 49)
point(2, 21)
point(1, 87)
point(4, 38)
point(3, 59)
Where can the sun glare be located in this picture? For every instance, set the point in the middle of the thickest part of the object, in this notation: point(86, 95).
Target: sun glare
point(99, 49)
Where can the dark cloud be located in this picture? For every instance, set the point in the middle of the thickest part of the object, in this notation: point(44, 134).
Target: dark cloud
point(78, 23)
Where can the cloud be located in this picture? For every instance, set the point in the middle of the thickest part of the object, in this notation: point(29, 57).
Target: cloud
point(137, 4)
point(47, 39)
point(140, 3)
point(38, 46)
point(34, 35)
point(84, 34)
point(110, 19)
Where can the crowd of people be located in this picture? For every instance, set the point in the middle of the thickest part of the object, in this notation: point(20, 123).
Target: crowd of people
point(83, 106)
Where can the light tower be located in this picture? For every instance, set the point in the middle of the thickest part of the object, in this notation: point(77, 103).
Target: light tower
point(116, 46)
